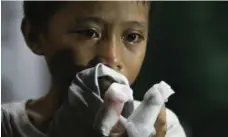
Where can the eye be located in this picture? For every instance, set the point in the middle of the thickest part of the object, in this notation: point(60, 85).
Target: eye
point(89, 33)
point(133, 38)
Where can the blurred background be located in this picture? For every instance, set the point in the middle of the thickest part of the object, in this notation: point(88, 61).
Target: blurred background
point(24, 75)
point(188, 48)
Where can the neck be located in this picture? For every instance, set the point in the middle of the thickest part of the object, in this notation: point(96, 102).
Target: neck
point(57, 95)
point(41, 111)
point(54, 99)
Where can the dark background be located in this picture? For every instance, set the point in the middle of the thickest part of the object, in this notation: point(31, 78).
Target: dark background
point(188, 49)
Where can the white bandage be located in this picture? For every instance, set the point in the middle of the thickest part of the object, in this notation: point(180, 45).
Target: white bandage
point(109, 113)
point(141, 122)
point(84, 96)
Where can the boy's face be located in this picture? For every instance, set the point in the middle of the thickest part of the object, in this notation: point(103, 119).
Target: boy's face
point(82, 34)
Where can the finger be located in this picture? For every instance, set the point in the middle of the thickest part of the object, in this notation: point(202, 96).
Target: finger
point(146, 114)
point(104, 83)
point(160, 124)
point(118, 130)
point(111, 109)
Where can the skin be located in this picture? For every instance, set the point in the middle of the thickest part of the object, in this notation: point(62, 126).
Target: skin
point(82, 34)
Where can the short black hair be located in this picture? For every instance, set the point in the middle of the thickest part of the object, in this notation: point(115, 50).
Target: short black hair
point(39, 12)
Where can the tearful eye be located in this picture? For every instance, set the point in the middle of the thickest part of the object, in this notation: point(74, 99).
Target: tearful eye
point(90, 33)
point(133, 38)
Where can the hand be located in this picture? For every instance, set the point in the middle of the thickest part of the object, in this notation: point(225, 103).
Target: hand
point(160, 126)
point(142, 121)
point(85, 109)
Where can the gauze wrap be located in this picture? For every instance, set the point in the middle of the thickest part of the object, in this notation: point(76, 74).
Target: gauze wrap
point(84, 103)
point(141, 122)
point(84, 110)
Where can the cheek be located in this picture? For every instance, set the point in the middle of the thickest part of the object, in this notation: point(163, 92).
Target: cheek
point(133, 62)
point(65, 58)
point(61, 39)
point(77, 51)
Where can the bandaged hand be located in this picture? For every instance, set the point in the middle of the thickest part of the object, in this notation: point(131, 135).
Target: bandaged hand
point(93, 109)
point(148, 120)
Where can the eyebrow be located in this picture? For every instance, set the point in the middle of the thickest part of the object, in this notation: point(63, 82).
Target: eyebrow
point(91, 19)
point(139, 24)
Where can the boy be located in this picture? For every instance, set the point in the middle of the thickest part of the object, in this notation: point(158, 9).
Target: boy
point(74, 36)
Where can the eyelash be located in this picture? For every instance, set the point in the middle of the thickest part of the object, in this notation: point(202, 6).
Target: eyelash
point(90, 33)
point(94, 34)
point(137, 38)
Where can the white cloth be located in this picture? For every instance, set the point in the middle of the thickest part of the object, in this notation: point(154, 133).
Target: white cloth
point(100, 115)
point(141, 122)
point(80, 112)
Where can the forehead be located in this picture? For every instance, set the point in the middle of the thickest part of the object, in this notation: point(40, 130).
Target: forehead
point(112, 11)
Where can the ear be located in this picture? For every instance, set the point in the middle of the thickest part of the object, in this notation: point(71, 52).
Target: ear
point(32, 36)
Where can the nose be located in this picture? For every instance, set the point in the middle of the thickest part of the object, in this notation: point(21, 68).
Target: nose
point(109, 52)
